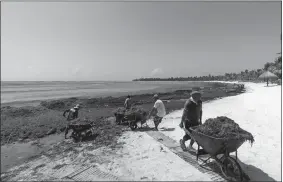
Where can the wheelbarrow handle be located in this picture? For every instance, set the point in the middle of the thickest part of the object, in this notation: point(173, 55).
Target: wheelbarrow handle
point(187, 131)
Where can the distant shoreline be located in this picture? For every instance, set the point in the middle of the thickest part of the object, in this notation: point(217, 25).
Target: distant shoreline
point(21, 123)
point(89, 91)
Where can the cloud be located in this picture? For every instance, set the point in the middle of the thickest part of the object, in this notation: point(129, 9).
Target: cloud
point(156, 71)
point(76, 71)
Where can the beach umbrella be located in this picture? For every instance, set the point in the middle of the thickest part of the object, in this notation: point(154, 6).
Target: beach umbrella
point(267, 75)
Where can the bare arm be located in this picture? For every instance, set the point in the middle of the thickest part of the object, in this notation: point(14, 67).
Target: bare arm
point(153, 110)
point(185, 115)
point(64, 114)
point(200, 117)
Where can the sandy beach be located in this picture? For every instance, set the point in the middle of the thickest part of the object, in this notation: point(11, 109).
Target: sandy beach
point(141, 157)
point(81, 83)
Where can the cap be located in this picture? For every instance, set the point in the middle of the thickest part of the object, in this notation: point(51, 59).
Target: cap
point(77, 106)
point(195, 93)
point(155, 96)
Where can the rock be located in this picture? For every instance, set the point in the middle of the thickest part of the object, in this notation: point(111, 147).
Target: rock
point(52, 131)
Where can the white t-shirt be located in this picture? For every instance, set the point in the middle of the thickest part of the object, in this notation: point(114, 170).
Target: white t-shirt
point(161, 112)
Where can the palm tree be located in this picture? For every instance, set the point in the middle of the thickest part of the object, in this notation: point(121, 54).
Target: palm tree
point(266, 66)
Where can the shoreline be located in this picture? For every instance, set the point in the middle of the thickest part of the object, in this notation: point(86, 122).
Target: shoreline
point(29, 131)
point(33, 122)
point(90, 91)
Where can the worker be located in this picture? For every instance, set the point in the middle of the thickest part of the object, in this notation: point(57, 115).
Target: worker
point(158, 111)
point(127, 103)
point(73, 113)
point(192, 116)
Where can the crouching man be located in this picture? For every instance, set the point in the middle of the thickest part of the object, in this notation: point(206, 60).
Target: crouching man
point(72, 114)
point(191, 117)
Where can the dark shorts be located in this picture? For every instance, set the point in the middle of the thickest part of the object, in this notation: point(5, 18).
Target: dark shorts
point(157, 120)
point(188, 125)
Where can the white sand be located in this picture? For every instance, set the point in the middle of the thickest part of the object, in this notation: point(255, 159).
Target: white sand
point(257, 111)
point(146, 159)
point(143, 158)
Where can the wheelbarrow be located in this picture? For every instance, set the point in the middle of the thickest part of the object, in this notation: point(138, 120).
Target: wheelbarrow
point(131, 120)
point(80, 130)
point(219, 149)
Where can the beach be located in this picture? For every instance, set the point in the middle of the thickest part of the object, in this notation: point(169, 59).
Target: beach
point(23, 126)
point(110, 91)
point(141, 157)
point(32, 122)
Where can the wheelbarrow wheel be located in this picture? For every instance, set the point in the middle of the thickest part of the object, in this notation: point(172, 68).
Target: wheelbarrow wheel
point(76, 137)
point(231, 169)
point(133, 125)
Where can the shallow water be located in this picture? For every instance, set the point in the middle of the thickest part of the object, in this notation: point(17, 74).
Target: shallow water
point(31, 93)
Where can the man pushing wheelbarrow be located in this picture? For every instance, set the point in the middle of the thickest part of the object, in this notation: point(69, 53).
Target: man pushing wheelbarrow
point(191, 117)
point(218, 138)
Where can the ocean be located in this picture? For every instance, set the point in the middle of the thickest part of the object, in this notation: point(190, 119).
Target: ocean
point(33, 92)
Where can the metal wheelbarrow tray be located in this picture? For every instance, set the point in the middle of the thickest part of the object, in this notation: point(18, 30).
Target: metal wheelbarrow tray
point(79, 129)
point(130, 119)
point(212, 146)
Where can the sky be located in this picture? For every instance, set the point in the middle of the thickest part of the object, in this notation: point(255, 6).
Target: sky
point(89, 41)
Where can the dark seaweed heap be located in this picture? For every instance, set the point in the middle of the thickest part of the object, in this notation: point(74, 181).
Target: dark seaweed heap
point(223, 127)
point(136, 110)
point(133, 113)
point(120, 110)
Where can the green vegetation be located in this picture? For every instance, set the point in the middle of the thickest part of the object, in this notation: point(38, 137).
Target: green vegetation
point(247, 75)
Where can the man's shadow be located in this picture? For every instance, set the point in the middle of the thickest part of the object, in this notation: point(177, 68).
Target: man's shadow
point(254, 173)
point(148, 128)
point(167, 129)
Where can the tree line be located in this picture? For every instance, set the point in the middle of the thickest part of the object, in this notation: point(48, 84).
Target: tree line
point(247, 75)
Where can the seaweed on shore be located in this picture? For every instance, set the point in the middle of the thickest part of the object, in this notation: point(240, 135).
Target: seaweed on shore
point(135, 110)
point(119, 110)
point(24, 111)
point(224, 127)
point(134, 113)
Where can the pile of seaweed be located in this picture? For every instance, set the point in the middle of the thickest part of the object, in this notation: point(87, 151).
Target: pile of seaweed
point(120, 110)
point(224, 127)
point(136, 110)
point(81, 121)
point(132, 113)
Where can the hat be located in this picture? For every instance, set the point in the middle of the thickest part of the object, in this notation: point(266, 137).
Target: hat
point(155, 96)
point(195, 93)
point(77, 106)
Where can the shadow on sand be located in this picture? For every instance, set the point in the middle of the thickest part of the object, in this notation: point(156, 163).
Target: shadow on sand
point(271, 86)
point(166, 129)
point(144, 129)
point(147, 128)
point(253, 172)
